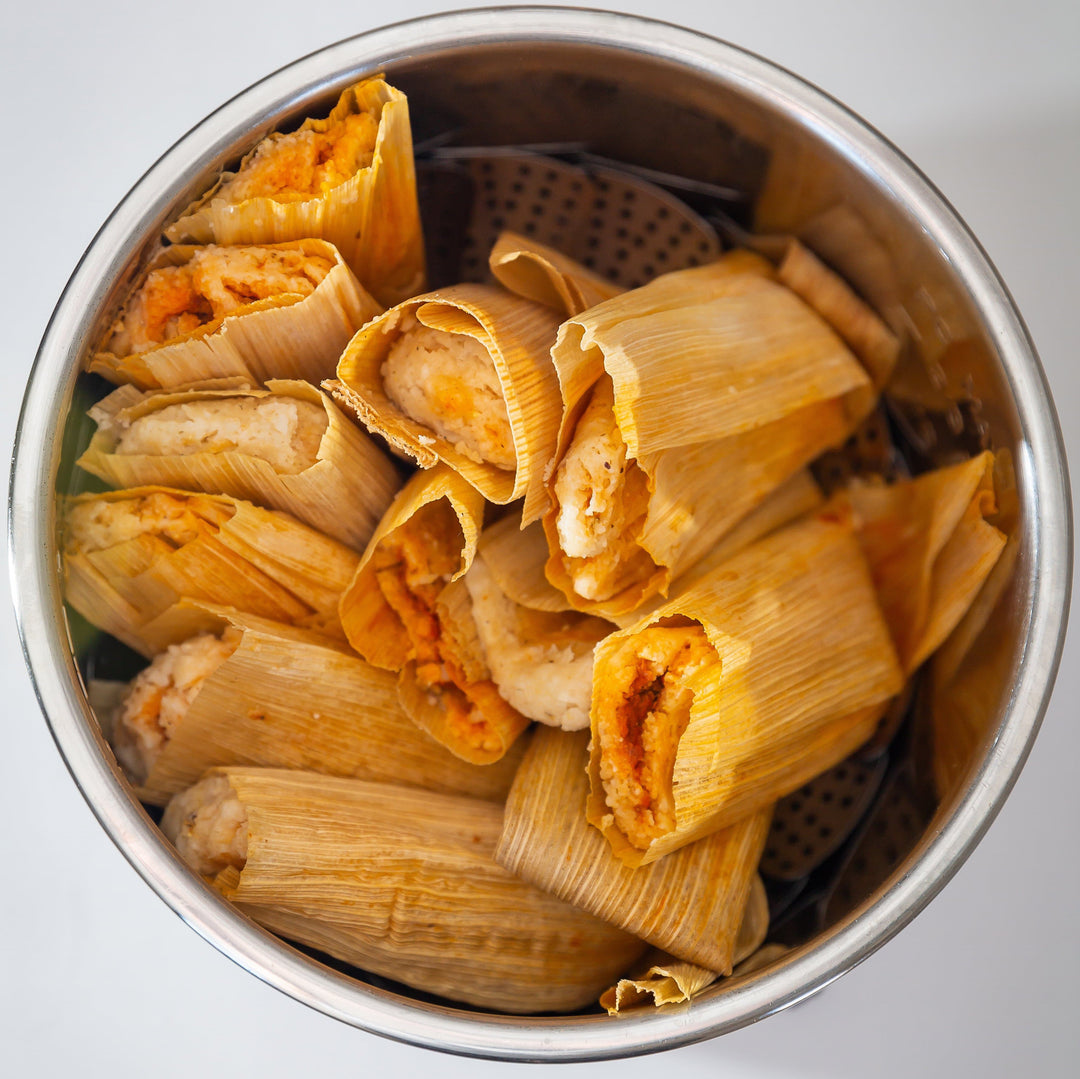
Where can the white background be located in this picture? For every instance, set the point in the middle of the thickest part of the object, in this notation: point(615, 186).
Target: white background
point(98, 977)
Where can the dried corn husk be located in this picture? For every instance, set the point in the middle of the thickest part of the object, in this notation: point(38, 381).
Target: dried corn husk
point(228, 552)
point(547, 276)
point(690, 903)
point(702, 448)
point(373, 217)
point(290, 698)
point(402, 612)
point(877, 347)
point(402, 883)
point(342, 494)
point(705, 353)
point(439, 516)
point(930, 548)
point(517, 334)
point(791, 661)
point(516, 557)
point(668, 980)
point(287, 336)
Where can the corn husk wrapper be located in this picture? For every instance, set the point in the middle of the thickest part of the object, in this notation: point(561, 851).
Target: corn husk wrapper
point(373, 217)
point(403, 883)
point(705, 353)
point(688, 496)
point(804, 665)
point(343, 494)
point(516, 557)
point(690, 904)
point(440, 514)
point(452, 513)
point(291, 698)
point(518, 335)
point(287, 336)
point(547, 276)
point(667, 980)
point(930, 548)
point(965, 672)
point(877, 347)
point(260, 561)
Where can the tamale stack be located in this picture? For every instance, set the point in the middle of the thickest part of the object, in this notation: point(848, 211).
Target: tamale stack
point(349, 179)
point(286, 447)
point(253, 312)
point(398, 882)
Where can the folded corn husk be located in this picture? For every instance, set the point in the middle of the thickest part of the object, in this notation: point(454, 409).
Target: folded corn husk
point(877, 347)
point(290, 698)
point(286, 336)
point(690, 903)
point(541, 273)
point(343, 491)
point(401, 883)
point(705, 439)
point(128, 577)
point(930, 549)
point(402, 612)
point(667, 980)
point(373, 217)
point(778, 660)
point(517, 335)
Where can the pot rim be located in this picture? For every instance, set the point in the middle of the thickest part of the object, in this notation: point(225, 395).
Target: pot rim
point(34, 560)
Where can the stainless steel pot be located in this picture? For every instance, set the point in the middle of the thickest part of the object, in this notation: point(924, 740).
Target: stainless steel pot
point(659, 96)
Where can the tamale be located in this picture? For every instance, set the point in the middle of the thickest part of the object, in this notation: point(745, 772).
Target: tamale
point(272, 695)
point(667, 980)
point(929, 548)
point(130, 556)
point(541, 273)
point(737, 691)
point(690, 903)
point(254, 312)
point(686, 403)
point(395, 613)
point(462, 375)
point(398, 882)
point(349, 179)
point(286, 447)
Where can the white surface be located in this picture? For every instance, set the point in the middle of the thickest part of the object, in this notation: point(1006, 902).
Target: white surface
point(97, 977)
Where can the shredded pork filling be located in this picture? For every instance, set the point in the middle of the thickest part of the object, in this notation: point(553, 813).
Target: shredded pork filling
point(448, 383)
point(642, 712)
point(304, 163)
point(602, 501)
point(412, 566)
point(541, 663)
point(284, 432)
point(214, 283)
point(208, 825)
point(159, 697)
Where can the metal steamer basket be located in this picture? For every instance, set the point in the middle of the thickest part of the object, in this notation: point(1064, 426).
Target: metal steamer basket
point(641, 147)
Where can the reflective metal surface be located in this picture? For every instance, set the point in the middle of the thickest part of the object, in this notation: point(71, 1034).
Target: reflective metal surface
point(664, 98)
